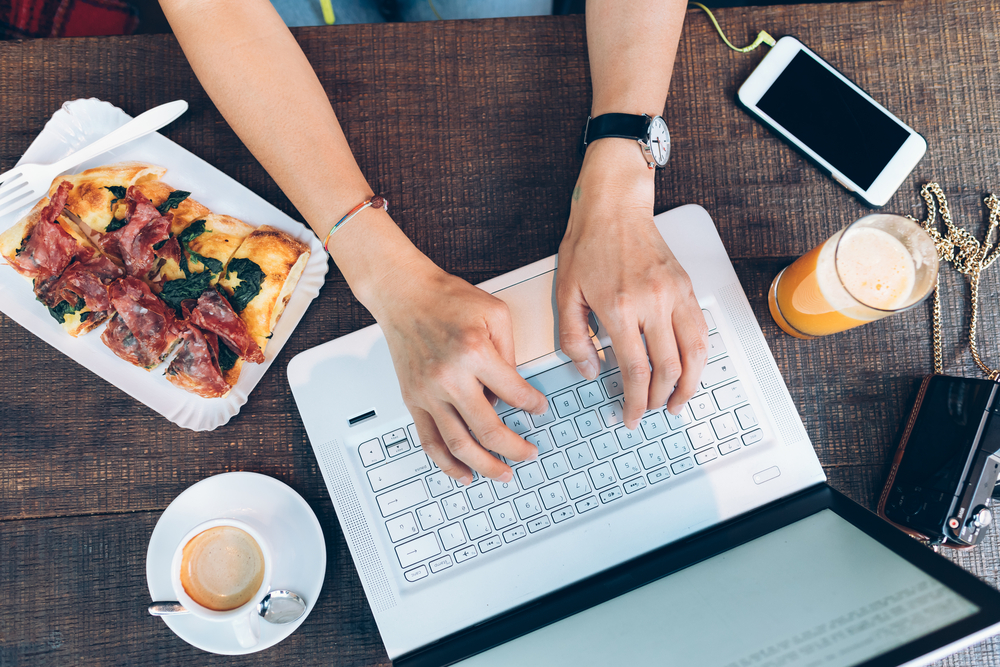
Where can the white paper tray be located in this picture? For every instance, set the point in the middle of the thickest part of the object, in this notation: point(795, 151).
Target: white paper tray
point(75, 125)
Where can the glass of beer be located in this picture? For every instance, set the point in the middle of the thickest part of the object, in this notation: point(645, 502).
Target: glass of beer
point(876, 266)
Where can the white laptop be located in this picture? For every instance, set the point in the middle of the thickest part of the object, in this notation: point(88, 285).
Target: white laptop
point(708, 538)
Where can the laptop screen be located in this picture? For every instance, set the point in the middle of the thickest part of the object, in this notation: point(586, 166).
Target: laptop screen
point(818, 592)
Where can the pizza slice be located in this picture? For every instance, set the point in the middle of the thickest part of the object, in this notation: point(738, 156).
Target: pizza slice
point(68, 273)
point(205, 245)
point(260, 278)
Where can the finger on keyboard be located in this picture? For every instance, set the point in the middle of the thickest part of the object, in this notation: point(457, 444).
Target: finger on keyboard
point(666, 363)
point(494, 434)
point(433, 444)
point(461, 445)
point(692, 341)
point(634, 366)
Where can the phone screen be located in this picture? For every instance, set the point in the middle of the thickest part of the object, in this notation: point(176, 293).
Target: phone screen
point(833, 119)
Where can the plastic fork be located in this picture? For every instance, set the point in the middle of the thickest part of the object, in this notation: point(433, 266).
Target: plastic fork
point(28, 182)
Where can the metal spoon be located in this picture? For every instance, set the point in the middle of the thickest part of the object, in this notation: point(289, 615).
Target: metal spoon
point(278, 607)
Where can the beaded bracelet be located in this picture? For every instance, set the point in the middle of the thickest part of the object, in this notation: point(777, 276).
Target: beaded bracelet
point(377, 201)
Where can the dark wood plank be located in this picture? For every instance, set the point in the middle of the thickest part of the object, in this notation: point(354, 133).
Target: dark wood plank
point(470, 128)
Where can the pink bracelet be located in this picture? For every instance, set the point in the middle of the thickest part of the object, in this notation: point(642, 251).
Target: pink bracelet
point(378, 201)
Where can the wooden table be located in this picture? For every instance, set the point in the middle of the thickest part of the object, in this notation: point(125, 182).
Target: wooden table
point(471, 129)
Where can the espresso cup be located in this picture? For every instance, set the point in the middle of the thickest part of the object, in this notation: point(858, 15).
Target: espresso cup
point(220, 572)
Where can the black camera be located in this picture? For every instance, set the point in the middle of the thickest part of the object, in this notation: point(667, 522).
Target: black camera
point(947, 463)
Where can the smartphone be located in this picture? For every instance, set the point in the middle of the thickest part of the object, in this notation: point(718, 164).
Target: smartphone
point(829, 119)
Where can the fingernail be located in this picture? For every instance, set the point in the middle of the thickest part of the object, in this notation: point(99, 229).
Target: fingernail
point(587, 369)
point(465, 481)
point(506, 477)
point(533, 456)
point(632, 425)
point(494, 401)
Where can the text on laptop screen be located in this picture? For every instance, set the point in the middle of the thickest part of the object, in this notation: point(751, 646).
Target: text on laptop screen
point(818, 593)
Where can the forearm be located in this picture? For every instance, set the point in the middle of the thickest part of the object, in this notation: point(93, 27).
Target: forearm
point(262, 83)
point(632, 44)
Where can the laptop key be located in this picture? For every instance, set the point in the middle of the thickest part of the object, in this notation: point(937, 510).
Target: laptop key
point(439, 484)
point(634, 485)
point(701, 435)
point(503, 516)
point(538, 524)
point(682, 466)
point(715, 345)
point(398, 448)
point(587, 424)
point(552, 495)
point(658, 475)
point(590, 394)
point(627, 438)
point(480, 496)
point(429, 516)
point(514, 534)
point(530, 475)
point(465, 554)
point(477, 525)
point(753, 437)
point(442, 563)
point(416, 574)
point(566, 404)
point(627, 465)
point(724, 426)
point(611, 414)
point(402, 498)
point(455, 505)
point(717, 372)
point(542, 441)
point(709, 320)
point(394, 472)
point(517, 422)
point(604, 446)
point(730, 395)
point(561, 515)
point(729, 446)
point(651, 455)
point(578, 485)
point(586, 504)
point(490, 544)
point(527, 506)
point(401, 527)
point(394, 437)
point(653, 426)
point(414, 551)
point(706, 455)
point(546, 417)
point(701, 406)
point(452, 536)
point(676, 445)
point(555, 465)
point(614, 493)
point(414, 437)
point(679, 420)
point(601, 475)
point(580, 456)
point(613, 384)
point(505, 489)
point(746, 416)
point(563, 433)
point(371, 453)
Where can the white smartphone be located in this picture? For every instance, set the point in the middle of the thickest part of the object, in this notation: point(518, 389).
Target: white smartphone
point(831, 121)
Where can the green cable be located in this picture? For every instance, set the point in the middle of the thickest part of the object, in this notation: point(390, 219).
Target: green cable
point(762, 36)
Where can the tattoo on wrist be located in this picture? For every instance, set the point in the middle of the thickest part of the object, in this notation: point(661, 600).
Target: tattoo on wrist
point(576, 193)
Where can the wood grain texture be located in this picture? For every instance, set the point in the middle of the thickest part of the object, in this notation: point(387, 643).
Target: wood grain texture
point(471, 130)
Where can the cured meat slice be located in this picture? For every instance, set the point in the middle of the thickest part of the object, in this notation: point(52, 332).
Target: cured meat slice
point(151, 322)
point(50, 248)
point(83, 279)
point(213, 313)
point(134, 243)
point(195, 368)
point(120, 340)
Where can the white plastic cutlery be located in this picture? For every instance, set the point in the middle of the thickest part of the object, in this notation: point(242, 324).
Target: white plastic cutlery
point(27, 182)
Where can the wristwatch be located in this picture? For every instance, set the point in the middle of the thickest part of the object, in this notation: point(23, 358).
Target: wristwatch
point(650, 132)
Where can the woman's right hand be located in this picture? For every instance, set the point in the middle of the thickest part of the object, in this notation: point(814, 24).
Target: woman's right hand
point(449, 342)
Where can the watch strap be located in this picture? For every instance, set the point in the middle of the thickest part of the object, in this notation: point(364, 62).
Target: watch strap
point(621, 125)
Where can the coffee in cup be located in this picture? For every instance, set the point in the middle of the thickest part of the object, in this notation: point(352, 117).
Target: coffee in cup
point(222, 568)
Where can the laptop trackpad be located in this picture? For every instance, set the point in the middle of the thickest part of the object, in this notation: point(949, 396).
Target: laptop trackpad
point(533, 312)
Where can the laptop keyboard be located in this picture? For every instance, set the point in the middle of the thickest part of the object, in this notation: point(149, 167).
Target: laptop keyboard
point(587, 460)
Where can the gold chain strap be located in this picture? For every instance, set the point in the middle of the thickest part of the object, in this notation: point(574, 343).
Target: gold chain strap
point(968, 256)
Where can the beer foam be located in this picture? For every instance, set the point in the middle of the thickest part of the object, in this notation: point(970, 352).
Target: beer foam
point(872, 266)
point(222, 568)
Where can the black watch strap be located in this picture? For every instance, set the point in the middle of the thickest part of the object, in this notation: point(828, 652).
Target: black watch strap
point(622, 125)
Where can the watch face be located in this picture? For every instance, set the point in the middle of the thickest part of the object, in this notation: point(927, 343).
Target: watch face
point(659, 141)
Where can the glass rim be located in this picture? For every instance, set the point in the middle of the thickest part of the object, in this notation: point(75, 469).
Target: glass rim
point(836, 264)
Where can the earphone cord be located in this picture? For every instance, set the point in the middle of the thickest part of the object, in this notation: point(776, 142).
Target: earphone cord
point(762, 37)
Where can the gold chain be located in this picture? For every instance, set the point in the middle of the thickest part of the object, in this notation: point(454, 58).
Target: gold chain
point(968, 256)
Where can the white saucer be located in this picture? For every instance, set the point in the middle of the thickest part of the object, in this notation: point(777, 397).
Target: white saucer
point(278, 512)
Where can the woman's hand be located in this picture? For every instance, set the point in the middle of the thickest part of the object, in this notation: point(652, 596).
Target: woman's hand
point(614, 262)
point(450, 341)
